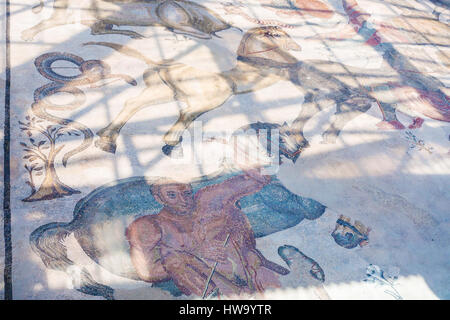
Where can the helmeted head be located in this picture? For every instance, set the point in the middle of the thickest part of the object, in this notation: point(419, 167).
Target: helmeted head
point(349, 235)
point(176, 197)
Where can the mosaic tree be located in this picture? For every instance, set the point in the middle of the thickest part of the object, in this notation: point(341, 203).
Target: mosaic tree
point(41, 150)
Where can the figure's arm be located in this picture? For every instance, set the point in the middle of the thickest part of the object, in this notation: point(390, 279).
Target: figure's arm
point(144, 236)
point(235, 187)
point(288, 204)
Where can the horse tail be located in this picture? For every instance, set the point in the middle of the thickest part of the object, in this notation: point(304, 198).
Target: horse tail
point(126, 51)
point(47, 242)
point(40, 110)
point(38, 8)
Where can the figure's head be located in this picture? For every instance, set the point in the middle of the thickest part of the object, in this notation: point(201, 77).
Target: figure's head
point(271, 43)
point(177, 197)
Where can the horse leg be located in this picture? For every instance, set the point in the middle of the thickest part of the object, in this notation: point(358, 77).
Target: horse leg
point(196, 107)
point(59, 17)
point(386, 100)
point(153, 95)
point(103, 27)
point(345, 112)
point(390, 120)
point(309, 109)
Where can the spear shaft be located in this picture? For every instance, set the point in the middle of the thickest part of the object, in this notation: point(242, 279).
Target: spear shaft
point(213, 270)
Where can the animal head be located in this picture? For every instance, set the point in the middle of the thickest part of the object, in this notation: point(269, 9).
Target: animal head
point(190, 18)
point(270, 42)
point(290, 146)
point(287, 142)
point(297, 260)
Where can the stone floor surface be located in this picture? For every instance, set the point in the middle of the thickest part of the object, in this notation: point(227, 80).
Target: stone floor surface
point(174, 149)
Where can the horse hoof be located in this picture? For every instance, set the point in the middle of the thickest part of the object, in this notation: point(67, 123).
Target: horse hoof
point(106, 146)
point(167, 150)
point(175, 152)
point(417, 123)
point(27, 36)
point(390, 125)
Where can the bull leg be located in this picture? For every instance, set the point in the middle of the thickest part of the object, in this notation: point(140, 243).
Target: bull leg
point(103, 27)
point(59, 17)
point(155, 94)
point(196, 107)
point(346, 112)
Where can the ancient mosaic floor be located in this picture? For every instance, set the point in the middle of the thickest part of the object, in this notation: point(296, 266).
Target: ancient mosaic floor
point(172, 149)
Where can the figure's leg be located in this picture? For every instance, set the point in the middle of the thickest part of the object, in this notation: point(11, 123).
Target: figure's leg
point(196, 106)
point(262, 275)
point(156, 93)
point(346, 112)
point(103, 27)
point(59, 17)
point(265, 279)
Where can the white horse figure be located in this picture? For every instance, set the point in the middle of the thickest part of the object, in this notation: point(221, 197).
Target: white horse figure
point(263, 60)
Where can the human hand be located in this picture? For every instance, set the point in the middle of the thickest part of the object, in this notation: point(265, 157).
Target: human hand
point(214, 250)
